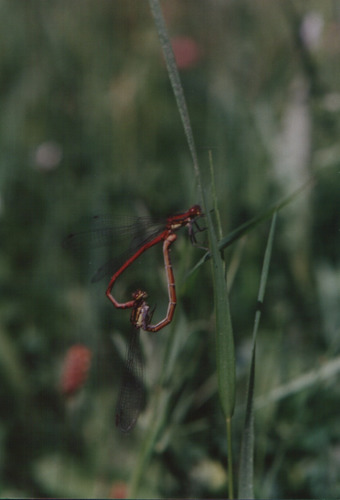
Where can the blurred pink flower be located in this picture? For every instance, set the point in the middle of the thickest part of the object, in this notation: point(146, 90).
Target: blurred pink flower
point(75, 369)
point(187, 52)
point(118, 490)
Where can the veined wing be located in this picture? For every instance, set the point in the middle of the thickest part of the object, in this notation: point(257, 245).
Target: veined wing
point(131, 397)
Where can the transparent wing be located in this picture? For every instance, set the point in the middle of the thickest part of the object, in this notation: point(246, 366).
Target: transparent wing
point(106, 230)
point(131, 397)
point(112, 265)
point(123, 240)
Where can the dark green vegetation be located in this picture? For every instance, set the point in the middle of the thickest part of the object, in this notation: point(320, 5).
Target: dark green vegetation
point(89, 126)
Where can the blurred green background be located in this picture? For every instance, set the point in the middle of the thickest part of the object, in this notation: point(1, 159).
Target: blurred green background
point(89, 126)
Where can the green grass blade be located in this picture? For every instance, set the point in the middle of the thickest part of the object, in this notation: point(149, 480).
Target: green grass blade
point(225, 355)
point(224, 333)
point(214, 197)
point(176, 86)
point(246, 471)
point(253, 223)
point(149, 443)
point(225, 352)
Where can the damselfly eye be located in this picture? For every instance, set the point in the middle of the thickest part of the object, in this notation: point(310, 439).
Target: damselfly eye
point(196, 211)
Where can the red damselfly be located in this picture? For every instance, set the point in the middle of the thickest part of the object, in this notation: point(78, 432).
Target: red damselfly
point(132, 393)
point(157, 232)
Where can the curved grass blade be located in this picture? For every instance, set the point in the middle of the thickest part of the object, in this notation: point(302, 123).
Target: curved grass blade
point(224, 337)
point(225, 351)
point(224, 332)
point(246, 471)
point(176, 86)
point(225, 347)
point(253, 223)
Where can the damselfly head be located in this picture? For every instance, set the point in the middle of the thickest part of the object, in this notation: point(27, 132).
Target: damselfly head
point(195, 211)
point(139, 295)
